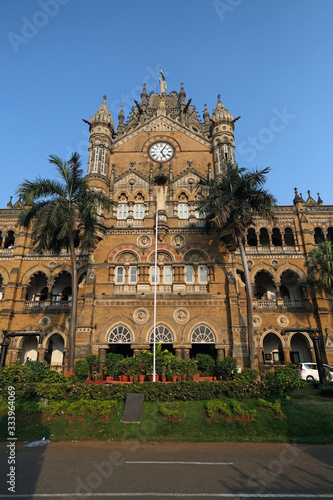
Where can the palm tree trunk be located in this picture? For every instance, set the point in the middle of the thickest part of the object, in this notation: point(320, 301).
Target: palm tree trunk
point(72, 328)
point(249, 303)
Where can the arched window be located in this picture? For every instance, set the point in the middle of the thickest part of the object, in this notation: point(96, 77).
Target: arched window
point(120, 335)
point(276, 237)
point(252, 239)
point(189, 274)
point(120, 275)
point(330, 234)
point(37, 289)
point(319, 236)
point(265, 287)
point(290, 285)
point(163, 335)
point(10, 239)
point(62, 289)
point(264, 237)
point(289, 237)
point(202, 334)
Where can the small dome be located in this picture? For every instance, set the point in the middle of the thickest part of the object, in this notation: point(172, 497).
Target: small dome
point(103, 116)
point(220, 113)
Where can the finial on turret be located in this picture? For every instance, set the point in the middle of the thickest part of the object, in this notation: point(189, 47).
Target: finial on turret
point(319, 201)
point(163, 85)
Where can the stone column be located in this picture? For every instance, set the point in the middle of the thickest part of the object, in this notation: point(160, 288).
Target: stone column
point(220, 353)
point(179, 353)
point(186, 353)
point(41, 353)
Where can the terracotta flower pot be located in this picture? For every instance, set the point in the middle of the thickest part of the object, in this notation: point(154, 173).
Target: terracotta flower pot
point(142, 378)
point(124, 378)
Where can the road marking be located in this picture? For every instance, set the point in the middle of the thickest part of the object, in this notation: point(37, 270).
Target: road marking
point(234, 496)
point(173, 462)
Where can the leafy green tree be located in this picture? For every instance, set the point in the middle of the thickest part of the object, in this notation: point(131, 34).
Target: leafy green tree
point(320, 266)
point(55, 211)
point(229, 203)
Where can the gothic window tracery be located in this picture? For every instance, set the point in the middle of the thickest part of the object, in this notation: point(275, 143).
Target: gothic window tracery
point(120, 335)
point(202, 334)
point(163, 335)
point(122, 208)
point(183, 211)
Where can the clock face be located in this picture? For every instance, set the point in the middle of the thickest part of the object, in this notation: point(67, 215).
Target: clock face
point(161, 151)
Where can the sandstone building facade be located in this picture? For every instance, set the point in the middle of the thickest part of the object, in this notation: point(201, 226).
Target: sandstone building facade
point(152, 162)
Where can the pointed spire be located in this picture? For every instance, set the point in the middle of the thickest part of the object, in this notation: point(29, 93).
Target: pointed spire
point(144, 95)
point(319, 201)
point(298, 198)
point(220, 113)
point(182, 94)
point(206, 114)
point(103, 115)
point(121, 118)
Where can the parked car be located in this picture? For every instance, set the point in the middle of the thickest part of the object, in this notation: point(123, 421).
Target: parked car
point(309, 372)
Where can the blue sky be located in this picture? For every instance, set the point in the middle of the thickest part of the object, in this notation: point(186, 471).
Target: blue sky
point(271, 61)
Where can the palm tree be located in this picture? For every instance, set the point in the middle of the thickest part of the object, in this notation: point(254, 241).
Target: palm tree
point(55, 211)
point(320, 266)
point(229, 203)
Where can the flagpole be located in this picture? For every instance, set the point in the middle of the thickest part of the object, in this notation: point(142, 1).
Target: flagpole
point(155, 292)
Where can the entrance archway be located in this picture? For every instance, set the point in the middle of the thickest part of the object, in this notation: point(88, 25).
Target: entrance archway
point(300, 349)
point(55, 353)
point(203, 341)
point(29, 349)
point(273, 350)
point(120, 340)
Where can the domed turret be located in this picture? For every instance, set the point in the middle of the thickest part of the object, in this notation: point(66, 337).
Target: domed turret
point(101, 133)
point(103, 116)
point(222, 136)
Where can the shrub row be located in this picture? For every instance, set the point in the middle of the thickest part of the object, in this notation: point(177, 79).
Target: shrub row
point(36, 380)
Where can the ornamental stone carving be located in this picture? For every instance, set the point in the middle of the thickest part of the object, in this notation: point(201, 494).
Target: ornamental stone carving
point(181, 315)
point(141, 315)
point(144, 241)
point(178, 241)
point(195, 257)
point(283, 321)
point(162, 258)
point(127, 258)
point(257, 321)
point(44, 322)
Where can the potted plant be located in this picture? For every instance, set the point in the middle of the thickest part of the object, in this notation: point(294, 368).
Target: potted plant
point(191, 368)
point(111, 367)
point(94, 364)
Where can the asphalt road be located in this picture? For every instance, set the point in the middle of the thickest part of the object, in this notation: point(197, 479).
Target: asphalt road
point(170, 470)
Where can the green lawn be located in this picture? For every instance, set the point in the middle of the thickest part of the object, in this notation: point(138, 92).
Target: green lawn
point(308, 418)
